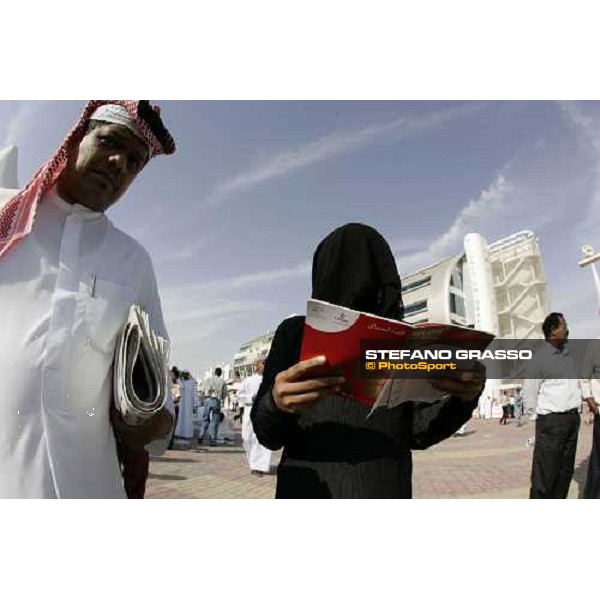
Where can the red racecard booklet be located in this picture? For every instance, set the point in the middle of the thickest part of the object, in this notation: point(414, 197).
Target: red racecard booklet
point(336, 332)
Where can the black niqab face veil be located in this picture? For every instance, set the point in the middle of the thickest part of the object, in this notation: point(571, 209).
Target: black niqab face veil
point(354, 267)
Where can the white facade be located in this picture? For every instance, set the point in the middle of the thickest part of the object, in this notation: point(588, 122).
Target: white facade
point(249, 352)
point(500, 288)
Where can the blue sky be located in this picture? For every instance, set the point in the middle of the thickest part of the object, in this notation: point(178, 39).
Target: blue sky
point(232, 219)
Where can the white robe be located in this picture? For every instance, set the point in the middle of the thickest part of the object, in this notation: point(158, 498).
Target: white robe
point(187, 403)
point(259, 457)
point(65, 291)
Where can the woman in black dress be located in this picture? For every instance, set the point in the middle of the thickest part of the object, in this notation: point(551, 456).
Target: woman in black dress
point(330, 448)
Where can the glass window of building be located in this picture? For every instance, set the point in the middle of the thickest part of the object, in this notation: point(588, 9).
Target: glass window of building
point(456, 278)
point(457, 305)
point(415, 307)
point(416, 284)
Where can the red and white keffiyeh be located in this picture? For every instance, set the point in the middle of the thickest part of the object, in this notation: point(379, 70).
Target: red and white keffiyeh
point(17, 216)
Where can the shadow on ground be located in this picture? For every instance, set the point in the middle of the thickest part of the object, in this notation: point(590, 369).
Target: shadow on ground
point(168, 459)
point(167, 477)
point(580, 475)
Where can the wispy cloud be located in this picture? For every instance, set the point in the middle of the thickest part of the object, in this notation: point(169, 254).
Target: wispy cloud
point(20, 122)
point(408, 244)
point(184, 252)
point(331, 145)
point(490, 204)
point(197, 327)
point(220, 287)
point(196, 313)
point(192, 312)
point(588, 129)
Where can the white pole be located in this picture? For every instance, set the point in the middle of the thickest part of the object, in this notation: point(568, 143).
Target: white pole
point(596, 280)
point(590, 258)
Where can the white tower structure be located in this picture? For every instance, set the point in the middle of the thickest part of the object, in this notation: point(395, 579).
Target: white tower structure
point(483, 301)
point(520, 286)
point(8, 168)
point(482, 286)
point(500, 288)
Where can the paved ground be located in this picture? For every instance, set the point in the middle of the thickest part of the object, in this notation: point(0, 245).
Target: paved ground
point(490, 461)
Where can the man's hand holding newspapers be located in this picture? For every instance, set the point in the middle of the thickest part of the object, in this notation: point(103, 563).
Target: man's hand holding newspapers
point(137, 436)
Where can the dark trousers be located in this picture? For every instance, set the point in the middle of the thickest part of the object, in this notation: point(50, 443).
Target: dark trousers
point(554, 454)
point(240, 415)
point(172, 442)
point(592, 484)
point(135, 467)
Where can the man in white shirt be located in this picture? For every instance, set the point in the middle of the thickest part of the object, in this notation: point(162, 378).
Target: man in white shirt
point(590, 386)
point(259, 457)
point(67, 280)
point(551, 390)
point(215, 392)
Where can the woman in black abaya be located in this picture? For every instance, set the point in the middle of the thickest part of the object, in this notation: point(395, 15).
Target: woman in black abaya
point(330, 448)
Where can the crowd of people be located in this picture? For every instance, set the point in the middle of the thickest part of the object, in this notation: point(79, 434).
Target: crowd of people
point(207, 409)
point(67, 280)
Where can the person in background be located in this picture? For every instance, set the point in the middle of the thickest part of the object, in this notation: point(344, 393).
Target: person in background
point(590, 387)
point(215, 392)
point(552, 392)
point(185, 422)
point(504, 402)
point(519, 407)
point(259, 457)
point(176, 394)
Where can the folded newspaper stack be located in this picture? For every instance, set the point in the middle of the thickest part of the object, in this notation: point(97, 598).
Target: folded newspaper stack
point(140, 370)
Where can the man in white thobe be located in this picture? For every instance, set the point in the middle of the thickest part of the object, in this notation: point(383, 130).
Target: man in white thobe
point(188, 401)
point(259, 457)
point(67, 280)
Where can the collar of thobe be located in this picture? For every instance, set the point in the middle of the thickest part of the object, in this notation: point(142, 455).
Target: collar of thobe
point(78, 210)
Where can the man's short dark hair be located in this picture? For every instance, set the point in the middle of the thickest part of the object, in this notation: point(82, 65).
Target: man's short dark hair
point(218, 372)
point(551, 322)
